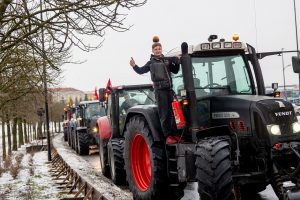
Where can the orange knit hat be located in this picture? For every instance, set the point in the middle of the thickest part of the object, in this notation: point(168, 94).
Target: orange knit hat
point(156, 43)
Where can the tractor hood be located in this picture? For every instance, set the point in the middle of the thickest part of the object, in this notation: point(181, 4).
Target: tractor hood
point(234, 106)
point(276, 111)
point(272, 109)
point(248, 114)
point(241, 108)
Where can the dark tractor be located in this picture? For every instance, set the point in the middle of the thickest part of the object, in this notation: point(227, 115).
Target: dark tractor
point(86, 134)
point(69, 123)
point(235, 140)
point(120, 100)
point(65, 124)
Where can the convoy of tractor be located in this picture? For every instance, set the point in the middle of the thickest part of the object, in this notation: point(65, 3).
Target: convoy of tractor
point(234, 139)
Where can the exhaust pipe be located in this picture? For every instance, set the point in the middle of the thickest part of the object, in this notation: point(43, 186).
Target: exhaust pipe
point(187, 72)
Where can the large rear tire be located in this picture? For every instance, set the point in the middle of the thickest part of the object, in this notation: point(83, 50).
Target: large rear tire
point(144, 161)
point(116, 161)
point(83, 143)
point(104, 158)
point(214, 172)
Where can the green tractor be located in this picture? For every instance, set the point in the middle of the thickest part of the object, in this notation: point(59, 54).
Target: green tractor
point(86, 133)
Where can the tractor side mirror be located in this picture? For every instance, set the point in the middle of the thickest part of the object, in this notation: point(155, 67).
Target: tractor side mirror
point(296, 64)
point(102, 94)
point(274, 86)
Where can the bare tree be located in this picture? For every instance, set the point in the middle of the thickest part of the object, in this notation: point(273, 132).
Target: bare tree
point(34, 33)
point(63, 22)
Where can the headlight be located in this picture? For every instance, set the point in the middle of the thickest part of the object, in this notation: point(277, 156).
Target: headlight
point(227, 45)
point(296, 127)
point(274, 129)
point(95, 130)
point(205, 46)
point(216, 45)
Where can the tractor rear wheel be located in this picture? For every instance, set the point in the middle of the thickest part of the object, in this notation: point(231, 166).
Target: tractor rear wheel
point(83, 143)
point(69, 136)
point(214, 172)
point(144, 161)
point(116, 161)
point(104, 157)
point(65, 134)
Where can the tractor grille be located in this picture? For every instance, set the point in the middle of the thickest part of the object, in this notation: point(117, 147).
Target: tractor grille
point(285, 124)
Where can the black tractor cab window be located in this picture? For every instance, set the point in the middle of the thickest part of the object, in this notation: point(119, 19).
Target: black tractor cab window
point(93, 110)
point(217, 75)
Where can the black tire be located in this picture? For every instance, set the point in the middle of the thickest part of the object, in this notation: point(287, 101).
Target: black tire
point(250, 191)
point(104, 158)
point(69, 136)
point(157, 184)
point(77, 139)
point(83, 143)
point(73, 135)
point(65, 134)
point(214, 173)
point(116, 161)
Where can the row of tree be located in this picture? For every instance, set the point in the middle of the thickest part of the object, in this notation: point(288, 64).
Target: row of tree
point(36, 37)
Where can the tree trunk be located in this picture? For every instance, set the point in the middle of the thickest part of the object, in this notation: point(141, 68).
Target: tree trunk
point(20, 131)
point(25, 131)
point(55, 127)
point(59, 127)
point(44, 128)
point(8, 133)
point(30, 131)
point(3, 139)
point(34, 131)
point(39, 130)
point(14, 133)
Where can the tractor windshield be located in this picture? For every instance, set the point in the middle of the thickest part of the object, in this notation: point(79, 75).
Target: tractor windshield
point(217, 75)
point(131, 98)
point(94, 109)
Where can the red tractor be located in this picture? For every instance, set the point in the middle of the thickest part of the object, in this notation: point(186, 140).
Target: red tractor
point(235, 140)
point(111, 145)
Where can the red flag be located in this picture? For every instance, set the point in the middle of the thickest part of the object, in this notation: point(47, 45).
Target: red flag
point(108, 85)
point(96, 97)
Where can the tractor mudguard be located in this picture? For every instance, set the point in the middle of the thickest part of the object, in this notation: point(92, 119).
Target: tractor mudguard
point(104, 128)
point(150, 113)
point(81, 129)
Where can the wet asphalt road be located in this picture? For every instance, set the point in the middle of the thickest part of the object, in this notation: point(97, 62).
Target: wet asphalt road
point(191, 189)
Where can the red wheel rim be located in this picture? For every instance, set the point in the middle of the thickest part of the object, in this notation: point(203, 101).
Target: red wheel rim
point(140, 162)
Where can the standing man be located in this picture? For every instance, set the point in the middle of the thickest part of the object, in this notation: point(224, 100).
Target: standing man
point(160, 68)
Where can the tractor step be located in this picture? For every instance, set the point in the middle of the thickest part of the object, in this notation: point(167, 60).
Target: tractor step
point(173, 172)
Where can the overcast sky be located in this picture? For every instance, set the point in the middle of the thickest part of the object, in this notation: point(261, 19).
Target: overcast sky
point(268, 25)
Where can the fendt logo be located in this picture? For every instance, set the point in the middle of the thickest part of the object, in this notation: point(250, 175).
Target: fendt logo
point(280, 114)
point(281, 104)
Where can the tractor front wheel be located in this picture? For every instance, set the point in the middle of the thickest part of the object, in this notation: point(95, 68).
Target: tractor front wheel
point(104, 157)
point(214, 172)
point(83, 143)
point(116, 161)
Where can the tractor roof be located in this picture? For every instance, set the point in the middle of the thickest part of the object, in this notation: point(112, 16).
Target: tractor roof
point(212, 46)
point(133, 87)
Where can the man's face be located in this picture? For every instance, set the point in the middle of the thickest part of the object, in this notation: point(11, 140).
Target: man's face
point(157, 51)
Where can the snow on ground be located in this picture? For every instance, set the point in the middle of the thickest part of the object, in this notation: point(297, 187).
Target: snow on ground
point(88, 172)
point(32, 182)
